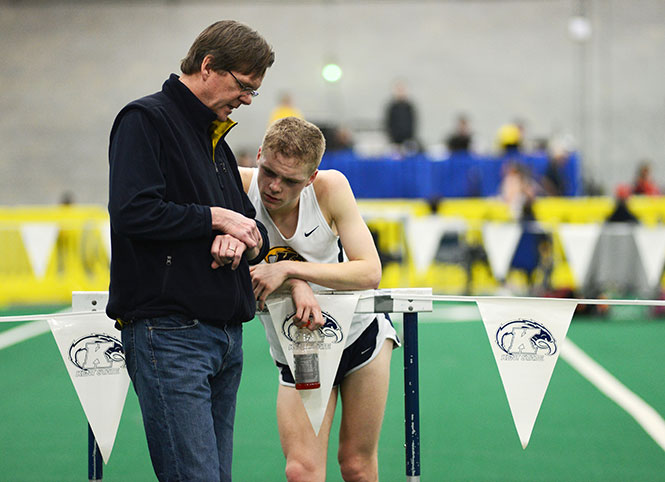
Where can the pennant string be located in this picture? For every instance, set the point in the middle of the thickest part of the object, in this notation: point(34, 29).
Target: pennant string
point(394, 296)
point(470, 299)
point(48, 316)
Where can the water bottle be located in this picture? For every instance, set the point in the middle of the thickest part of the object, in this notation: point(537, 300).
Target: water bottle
point(306, 359)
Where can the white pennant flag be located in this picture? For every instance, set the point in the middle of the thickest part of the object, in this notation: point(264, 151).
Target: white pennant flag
point(92, 352)
point(38, 240)
point(337, 311)
point(424, 234)
point(579, 242)
point(500, 242)
point(651, 247)
point(526, 337)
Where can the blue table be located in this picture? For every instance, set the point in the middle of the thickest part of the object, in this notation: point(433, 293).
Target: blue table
point(420, 177)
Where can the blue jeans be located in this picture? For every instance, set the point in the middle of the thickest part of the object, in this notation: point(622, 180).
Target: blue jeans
point(186, 375)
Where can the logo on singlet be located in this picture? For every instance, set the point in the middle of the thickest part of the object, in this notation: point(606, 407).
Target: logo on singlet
point(307, 234)
point(282, 253)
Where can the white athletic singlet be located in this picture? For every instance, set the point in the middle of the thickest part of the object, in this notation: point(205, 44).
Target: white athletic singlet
point(312, 241)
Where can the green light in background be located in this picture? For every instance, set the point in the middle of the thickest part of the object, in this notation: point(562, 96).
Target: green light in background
point(332, 72)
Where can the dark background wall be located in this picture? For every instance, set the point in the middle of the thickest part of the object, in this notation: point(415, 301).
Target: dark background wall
point(68, 67)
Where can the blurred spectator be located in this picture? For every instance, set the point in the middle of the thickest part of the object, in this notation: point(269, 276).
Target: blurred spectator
point(541, 146)
point(521, 125)
point(591, 187)
point(614, 268)
point(509, 138)
point(285, 108)
point(342, 140)
point(517, 189)
point(400, 121)
point(245, 158)
point(460, 139)
point(67, 198)
point(338, 138)
point(554, 179)
point(644, 183)
point(621, 213)
point(533, 253)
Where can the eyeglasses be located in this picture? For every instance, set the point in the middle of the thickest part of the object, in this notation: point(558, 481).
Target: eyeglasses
point(244, 88)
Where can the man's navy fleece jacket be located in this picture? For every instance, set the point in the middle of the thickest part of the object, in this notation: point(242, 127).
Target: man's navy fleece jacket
point(162, 183)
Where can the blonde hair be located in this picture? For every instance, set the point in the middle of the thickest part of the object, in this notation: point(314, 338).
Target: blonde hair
point(297, 139)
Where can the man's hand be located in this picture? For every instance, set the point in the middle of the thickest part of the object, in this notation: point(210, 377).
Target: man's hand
point(237, 225)
point(268, 277)
point(226, 249)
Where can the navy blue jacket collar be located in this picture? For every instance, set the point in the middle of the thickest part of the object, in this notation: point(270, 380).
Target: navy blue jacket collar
point(195, 110)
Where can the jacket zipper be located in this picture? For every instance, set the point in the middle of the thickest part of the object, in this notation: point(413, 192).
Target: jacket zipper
point(221, 183)
point(169, 262)
point(219, 180)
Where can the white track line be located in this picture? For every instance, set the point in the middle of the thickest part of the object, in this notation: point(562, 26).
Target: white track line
point(22, 332)
point(642, 412)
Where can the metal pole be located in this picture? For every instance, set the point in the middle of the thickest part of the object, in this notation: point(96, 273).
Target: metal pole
point(95, 463)
point(411, 398)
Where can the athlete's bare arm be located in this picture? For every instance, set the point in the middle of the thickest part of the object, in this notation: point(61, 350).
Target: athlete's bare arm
point(362, 271)
point(246, 174)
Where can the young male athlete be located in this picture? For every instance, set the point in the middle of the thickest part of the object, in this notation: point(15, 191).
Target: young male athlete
point(320, 239)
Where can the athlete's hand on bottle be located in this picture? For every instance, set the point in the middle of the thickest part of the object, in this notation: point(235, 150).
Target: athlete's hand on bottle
point(308, 312)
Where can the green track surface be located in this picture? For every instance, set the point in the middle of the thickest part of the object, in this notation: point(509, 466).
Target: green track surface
point(467, 432)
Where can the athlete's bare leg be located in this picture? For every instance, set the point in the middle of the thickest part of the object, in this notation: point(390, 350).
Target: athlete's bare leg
point(305, 452)
point(364, 393)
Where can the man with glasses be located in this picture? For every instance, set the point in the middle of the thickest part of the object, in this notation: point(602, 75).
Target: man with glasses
point(183, 235)
point(244, 88)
